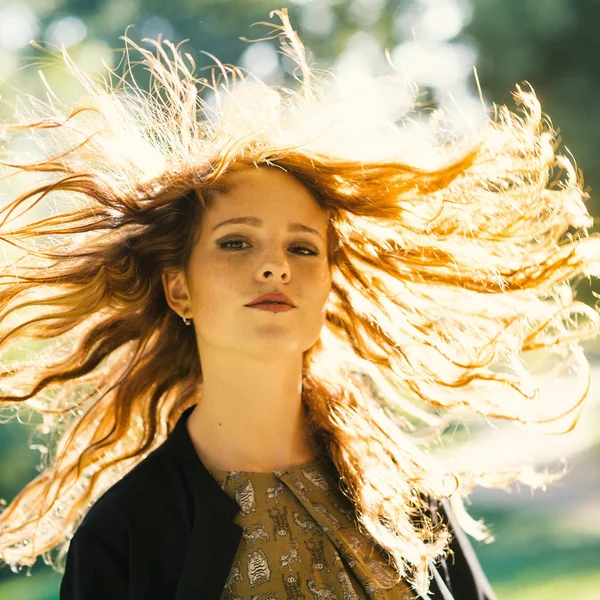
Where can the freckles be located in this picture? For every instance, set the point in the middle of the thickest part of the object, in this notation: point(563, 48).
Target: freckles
point(228, 272)
point(219, 281)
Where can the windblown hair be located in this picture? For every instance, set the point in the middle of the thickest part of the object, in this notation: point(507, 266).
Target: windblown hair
point(450, 259)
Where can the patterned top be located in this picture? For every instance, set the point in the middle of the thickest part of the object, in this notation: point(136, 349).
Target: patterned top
point(300, 540)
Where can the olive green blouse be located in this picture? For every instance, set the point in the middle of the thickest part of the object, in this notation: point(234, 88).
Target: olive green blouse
point(300, 540)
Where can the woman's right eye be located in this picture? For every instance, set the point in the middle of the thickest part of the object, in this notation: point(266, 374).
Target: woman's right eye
point(224, 244)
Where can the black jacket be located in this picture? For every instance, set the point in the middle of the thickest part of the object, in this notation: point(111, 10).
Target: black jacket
point(165, 531)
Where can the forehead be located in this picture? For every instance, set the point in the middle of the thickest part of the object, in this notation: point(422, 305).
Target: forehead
point(263, 189)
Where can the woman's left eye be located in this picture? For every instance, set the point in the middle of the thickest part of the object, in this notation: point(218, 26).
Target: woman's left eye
point(226, 246)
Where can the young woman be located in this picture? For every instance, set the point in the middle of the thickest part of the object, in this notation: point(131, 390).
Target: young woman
point(257, 312)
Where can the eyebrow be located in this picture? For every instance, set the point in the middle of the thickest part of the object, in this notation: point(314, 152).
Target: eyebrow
point(256, 222)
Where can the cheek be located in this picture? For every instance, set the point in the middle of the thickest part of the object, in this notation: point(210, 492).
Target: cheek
point(212, 286)
point(323, 282)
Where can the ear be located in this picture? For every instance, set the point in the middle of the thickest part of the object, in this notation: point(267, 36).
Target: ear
point(176, 290)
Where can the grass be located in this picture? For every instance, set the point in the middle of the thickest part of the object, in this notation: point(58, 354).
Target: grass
point(574, 586)
point(540, 555)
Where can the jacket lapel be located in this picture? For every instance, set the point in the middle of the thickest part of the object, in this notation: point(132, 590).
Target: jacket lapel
point(214, 537)
point(211, 550)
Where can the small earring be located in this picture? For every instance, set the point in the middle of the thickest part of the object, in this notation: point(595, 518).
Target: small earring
point(187, 321)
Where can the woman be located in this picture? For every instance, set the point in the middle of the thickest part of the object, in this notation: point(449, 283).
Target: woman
point(264, 313)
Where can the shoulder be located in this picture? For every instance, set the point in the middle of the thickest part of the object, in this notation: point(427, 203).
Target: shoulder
point(133, 537)
point(154, 484)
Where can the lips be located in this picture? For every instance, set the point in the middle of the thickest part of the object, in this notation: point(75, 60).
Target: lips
point(272, 298)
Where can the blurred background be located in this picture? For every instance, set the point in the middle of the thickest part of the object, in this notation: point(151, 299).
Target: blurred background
point(548, 544)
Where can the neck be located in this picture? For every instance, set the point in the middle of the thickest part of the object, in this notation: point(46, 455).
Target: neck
point(253, 420)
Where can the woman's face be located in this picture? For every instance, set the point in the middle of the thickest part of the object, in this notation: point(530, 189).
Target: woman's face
point(232, 264)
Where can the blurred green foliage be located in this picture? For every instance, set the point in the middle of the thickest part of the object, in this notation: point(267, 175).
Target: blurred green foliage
point(553, 44)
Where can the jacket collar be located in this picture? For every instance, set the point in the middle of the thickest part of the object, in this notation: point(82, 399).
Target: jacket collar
point(179, 443)
point(213, 542)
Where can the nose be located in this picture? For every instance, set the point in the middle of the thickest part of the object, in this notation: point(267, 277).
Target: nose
point(276, 266)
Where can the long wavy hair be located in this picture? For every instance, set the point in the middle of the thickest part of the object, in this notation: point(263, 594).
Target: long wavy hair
point(451, 257)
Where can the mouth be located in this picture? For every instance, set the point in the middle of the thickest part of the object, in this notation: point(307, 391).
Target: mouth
point(273, 299)
point(270, 305)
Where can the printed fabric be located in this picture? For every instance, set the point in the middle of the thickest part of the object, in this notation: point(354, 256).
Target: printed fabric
point(300, 540)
